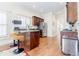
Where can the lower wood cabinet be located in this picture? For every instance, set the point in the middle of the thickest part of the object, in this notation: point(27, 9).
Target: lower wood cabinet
point(31, 40)
point(34, 39)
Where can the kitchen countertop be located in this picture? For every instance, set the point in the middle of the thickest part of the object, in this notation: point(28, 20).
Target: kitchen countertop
point(27, 31)
point(66, 30)
point(68, 34)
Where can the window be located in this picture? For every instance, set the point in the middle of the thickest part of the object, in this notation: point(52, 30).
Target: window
point(25, 20)
point(3, 24)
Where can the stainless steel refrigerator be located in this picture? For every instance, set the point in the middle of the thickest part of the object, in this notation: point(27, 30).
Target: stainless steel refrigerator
point(43, 27)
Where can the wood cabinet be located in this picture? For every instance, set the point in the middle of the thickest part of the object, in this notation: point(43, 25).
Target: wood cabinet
point(31, 39)
point(72, 12)
point(34, 39)
point(36, 20)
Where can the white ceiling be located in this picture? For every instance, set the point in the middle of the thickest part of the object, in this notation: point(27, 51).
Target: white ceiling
point(41, 7)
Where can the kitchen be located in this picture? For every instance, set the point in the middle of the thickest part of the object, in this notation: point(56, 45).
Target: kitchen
point(31, 22)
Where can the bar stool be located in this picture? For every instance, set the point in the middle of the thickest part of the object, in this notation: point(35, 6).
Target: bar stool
point(19, 38)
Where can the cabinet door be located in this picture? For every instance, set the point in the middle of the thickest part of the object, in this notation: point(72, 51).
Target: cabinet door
point(72, 12)
point(34, 39)
point(35, 20)
point(37, 36)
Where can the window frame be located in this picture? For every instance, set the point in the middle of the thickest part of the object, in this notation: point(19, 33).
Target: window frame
point(4, 24)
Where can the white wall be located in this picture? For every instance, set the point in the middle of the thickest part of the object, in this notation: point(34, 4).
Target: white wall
point(49, 18)
point(61, 18)
point(55, 21)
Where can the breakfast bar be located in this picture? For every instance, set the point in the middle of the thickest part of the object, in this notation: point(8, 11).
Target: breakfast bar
point(30, 40)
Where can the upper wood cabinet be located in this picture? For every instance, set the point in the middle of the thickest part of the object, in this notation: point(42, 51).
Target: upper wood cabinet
point(36, 20)
point(72, 12)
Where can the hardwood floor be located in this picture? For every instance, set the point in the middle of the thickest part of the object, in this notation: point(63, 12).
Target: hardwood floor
point(47, 47)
